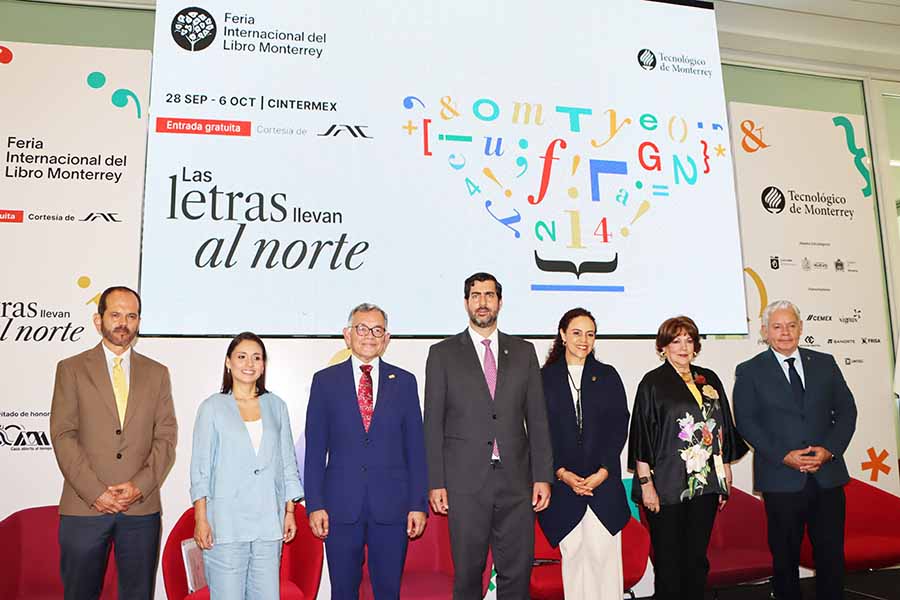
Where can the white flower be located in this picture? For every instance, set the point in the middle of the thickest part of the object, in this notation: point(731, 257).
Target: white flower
point(695, 458)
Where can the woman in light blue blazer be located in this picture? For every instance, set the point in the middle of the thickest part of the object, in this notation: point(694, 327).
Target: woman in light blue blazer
point(244, 478)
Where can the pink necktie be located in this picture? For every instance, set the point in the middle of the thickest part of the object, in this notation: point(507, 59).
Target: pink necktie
point(490, 376)
point(364, 396)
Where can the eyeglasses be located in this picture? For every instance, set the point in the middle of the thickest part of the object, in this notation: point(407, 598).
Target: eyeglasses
point(363, 330)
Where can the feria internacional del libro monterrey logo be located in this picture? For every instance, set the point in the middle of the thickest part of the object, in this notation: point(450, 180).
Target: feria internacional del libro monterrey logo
point(193, 29)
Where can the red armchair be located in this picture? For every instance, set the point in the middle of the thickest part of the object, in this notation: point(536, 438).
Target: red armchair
point(871, 529)
point(301, 561)
point(738, 549)
point(635, 553)
point(428, 571)
point(29, 553)
point(546, 576)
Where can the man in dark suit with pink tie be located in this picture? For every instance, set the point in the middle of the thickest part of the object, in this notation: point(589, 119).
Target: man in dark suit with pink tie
point(489, 455)
point(365, 472)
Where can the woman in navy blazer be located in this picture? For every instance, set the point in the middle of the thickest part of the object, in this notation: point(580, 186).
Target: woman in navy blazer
point(244, 478)
point(588, 416)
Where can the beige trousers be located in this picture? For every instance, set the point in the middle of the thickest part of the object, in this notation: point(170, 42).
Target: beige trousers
point(591, 561)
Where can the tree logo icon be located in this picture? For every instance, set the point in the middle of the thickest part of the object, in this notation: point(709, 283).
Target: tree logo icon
point(193, 29)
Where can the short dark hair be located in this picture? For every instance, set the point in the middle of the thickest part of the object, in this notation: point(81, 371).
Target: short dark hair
point(227, 381)
point(670, 329)
point(101, 304)
point(481, 276)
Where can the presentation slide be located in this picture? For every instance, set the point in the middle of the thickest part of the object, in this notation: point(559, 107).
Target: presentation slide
point(308, 156)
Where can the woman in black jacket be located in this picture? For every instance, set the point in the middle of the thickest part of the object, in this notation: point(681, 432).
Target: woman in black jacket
point(681, 443)
point(588, 416)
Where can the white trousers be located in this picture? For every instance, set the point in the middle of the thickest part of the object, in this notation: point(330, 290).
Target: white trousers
point(591, 561)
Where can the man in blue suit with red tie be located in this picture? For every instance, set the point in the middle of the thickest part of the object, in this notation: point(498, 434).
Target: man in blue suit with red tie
point(365, 474)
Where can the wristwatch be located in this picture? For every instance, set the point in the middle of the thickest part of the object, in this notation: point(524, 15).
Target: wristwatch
point(643, 480)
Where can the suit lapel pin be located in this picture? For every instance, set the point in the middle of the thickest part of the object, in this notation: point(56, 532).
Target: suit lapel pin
point(391, 376)
point(594, 378)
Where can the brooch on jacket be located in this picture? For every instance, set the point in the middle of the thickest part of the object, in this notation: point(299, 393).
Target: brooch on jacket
point(705, 389)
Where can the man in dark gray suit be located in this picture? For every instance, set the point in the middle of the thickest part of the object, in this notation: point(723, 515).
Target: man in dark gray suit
point(489, 455)
point(794, 407)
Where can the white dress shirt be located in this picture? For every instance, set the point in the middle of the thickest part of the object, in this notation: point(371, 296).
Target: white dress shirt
point(111, 360)
point(798, 364)
point(479, 347)
point(357, 375)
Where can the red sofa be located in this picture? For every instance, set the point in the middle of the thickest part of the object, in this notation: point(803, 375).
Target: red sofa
point(738, 549)
point(301, 561)
point(29, 555)
point(546, 576)
point(871, 530)
point(428, 571)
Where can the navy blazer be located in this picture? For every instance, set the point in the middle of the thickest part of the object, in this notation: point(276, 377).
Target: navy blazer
point(385, 465)
point(771, 420)
point(605, 428)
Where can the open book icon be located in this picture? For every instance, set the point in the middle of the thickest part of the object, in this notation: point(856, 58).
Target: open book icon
point(193, 565)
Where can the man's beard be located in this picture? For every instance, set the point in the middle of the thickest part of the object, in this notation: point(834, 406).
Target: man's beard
point(110, 336)
point(487, 321)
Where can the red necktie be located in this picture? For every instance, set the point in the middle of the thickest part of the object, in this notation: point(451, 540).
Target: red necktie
point(364, 396)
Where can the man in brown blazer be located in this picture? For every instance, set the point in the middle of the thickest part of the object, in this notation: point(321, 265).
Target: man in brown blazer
point(113, 428)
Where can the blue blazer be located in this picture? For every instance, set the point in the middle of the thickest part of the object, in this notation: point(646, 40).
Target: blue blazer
point(604, 410)
point(385, 465)
point(771, 420)
point(245, 492)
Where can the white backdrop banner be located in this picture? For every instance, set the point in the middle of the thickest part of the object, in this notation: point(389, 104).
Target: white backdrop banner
point(310, 150)
point(74, 125)
point(810, 235)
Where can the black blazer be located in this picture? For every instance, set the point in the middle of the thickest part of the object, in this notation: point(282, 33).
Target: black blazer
point(605, 428)
point(771, 420)
point(661, 401)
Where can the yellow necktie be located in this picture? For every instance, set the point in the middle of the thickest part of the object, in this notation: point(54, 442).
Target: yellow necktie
point(120, 388)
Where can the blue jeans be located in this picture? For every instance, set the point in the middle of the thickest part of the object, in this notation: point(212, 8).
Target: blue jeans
point(243, 570)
